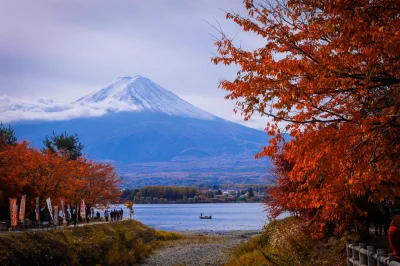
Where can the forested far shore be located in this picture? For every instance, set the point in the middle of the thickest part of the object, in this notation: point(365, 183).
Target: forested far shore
point(204, 194)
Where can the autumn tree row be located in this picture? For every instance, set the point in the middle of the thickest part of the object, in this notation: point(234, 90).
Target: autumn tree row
point(167, 192)
point(327, 74)
point(58, 171)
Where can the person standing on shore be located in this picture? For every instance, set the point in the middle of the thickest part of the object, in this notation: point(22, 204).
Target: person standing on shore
point(386, 217)
point(106, 215)
point(74, 216)
point(394, 231)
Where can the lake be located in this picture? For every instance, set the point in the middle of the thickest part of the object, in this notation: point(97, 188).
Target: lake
point(181, 217)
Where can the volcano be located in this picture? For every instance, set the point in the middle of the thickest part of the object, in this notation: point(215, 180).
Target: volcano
point(152, 136)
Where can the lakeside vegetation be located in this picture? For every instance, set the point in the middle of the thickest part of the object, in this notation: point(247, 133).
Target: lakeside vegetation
point(283, 242)
point(59, 172)
point(327, 77)
point(204, 194)
point(122, 243)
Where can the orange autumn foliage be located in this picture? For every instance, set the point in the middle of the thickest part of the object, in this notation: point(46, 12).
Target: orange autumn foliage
point(328, 74)
point(27, 170)
point(96, 182)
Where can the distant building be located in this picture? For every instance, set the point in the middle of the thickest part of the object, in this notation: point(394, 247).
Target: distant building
point(231, 192)
point(231, 198)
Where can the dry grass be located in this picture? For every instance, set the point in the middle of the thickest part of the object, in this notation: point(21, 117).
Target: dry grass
point(187, 240)
point(122, 243)
point(282, 243)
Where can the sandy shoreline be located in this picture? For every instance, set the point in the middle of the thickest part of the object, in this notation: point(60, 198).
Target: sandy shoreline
point(232, 233)
point(200, 248)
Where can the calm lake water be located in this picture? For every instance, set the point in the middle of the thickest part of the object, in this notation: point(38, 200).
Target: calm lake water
point(181, 217)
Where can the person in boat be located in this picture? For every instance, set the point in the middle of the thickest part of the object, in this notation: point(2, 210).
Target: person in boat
point(201, 215)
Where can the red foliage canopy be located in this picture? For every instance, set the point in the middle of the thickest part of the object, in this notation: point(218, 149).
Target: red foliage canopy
point(25, 170)
point(329, 75)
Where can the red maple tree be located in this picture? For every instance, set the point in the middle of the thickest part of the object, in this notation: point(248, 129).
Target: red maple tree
point(328, 75)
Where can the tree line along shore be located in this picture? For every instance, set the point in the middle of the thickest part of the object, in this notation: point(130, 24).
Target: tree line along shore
point(208, 194)
point(37, 184)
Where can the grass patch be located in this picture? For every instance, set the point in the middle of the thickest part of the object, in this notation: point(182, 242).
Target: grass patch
point(283, 243)
point(166, 236)
point(122, 243)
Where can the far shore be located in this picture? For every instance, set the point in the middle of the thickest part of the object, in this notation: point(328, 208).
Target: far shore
point(174, 202)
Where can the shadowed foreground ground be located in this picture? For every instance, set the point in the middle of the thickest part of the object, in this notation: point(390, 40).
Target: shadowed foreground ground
point(199, 249)
point(117, 243)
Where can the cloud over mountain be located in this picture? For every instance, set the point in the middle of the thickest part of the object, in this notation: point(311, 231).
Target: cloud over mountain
point(151, 135)
point(132, 94)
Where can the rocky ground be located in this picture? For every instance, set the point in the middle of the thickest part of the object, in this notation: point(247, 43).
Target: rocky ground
point(196, 248)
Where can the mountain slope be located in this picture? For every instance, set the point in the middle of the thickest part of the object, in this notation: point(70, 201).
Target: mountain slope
point(141, 94)
point(154, 137)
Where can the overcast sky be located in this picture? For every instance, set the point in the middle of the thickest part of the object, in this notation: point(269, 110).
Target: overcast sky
point(65, 49)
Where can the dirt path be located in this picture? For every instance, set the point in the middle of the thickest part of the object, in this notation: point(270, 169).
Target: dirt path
point(44, 228)
point(199, 249)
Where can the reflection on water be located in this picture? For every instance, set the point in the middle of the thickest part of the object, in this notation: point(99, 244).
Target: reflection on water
point(181, 217)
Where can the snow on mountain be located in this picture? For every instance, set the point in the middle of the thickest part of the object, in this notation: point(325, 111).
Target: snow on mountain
point(142, 94)
point(127, 94)
point(150, 134)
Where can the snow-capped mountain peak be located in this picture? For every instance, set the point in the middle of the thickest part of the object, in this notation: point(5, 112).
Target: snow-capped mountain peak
point(126, 94)
point(141, 94)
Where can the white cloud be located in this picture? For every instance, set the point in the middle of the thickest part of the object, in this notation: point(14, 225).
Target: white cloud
point(47, 109)
point(13, 110)
point(66, 49)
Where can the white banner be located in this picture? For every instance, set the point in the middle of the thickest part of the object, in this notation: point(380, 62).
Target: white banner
point(64, 216)
point(56, 215)
point(48, 200)
point(69, 211)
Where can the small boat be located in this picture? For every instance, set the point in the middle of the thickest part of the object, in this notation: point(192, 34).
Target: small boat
point(205, 217)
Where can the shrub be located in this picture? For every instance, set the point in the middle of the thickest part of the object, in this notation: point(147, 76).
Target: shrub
point(165, 236)
point(284, 243)
point(123, 243)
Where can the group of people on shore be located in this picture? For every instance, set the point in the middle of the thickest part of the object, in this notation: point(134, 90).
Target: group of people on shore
point(394, 231)
point(115, 215)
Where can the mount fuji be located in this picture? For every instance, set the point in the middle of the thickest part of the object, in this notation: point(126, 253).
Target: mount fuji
point(141, 94)
point(152, 136)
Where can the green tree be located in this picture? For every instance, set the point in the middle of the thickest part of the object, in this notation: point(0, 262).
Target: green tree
point(210, 194)
point(64, 143)
point(251, 193)
point(7, 136)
